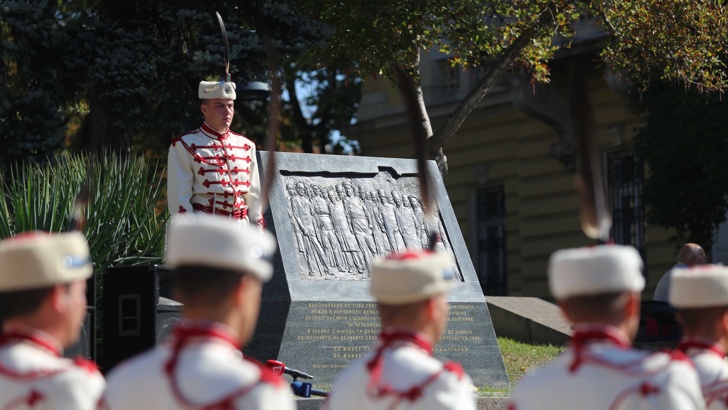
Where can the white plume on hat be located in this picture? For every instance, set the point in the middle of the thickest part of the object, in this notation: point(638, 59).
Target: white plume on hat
point(699, 286)
point(209, 90)
point(39, 259)
point(595, 270)
point(217, 242)
point(411, 276)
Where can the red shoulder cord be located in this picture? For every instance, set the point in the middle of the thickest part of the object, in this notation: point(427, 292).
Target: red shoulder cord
point(584, 335)
point(182, 336)
point(388, 338)
point(13, 337)
point(702, 344)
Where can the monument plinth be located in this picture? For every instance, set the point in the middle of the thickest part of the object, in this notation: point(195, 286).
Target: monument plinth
point(332, 215)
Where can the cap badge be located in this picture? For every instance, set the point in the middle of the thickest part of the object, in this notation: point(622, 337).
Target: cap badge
point(70, 261)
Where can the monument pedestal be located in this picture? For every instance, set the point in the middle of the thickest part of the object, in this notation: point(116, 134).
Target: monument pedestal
point(332, 215)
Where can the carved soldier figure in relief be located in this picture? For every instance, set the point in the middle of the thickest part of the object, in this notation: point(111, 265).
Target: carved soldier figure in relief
point(344, 231)
point(291, 189)
point(212, 169)
point(373, 205)
point(303, 216)
point(42, 304)
point(325, 224)
point(388, 222)
point(406, 221)
point(419, 215)
point(360, 222)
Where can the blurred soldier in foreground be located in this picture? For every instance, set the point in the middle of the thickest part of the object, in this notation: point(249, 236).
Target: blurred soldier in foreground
point(43, 304)
point(701, 296)
point(411, 293)
point(598, 289)
point(219, 270)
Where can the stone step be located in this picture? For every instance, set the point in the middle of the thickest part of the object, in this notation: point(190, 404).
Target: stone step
point(528, 320)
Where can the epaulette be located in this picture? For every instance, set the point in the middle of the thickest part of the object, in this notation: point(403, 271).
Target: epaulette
point(267, 375)
point(88, 365)
point(454, 368)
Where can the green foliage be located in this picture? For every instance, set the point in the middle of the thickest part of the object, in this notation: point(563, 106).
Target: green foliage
point(134, 64)
point(680, 41)
point(126, 215)
point(33, 83)
point(685, 144)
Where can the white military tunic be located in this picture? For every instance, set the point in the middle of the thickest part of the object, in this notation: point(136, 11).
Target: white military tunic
point(34, 376)
point(600, 371)
point(214, 173)
point(201, 368)
point(402, 374)
point(708, 357)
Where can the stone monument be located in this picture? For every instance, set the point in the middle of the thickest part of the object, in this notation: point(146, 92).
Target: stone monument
point(332, 215)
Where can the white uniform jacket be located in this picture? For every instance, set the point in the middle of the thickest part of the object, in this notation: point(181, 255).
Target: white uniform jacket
point(600, 371)
point(402, 374)
point(34, 376)
point(200, 368)
point(708, 357)
point(214, 173)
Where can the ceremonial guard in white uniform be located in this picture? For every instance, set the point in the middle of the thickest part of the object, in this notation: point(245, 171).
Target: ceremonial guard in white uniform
point(598, 290)
point(400, 373)
point(43, 303)
point(219, 269)
point(212, 169)
point(700, 294)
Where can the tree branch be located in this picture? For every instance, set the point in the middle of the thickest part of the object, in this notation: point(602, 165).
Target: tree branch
point(445, 133)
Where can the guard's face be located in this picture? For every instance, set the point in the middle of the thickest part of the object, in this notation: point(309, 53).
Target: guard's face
point(250, 304)
point(74, 299)
point(443, 313)
point(218, 113)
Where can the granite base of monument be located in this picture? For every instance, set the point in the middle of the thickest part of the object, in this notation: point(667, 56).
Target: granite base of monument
point(332, 215)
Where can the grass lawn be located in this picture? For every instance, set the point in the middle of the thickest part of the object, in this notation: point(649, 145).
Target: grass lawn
point(521, 357)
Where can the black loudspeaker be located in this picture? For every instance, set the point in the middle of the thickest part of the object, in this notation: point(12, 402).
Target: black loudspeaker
point(136, 317)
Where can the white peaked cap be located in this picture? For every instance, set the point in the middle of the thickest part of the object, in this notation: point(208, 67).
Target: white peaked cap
point(209, 90)
point(594, 270)
point(411, 276)
point(38, 259)
point(218, 242)
point(699, 286)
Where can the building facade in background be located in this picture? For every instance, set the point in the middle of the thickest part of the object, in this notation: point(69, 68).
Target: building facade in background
point(511, 167)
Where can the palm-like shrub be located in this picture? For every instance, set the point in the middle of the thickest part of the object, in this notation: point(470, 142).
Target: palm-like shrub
point(126, 214)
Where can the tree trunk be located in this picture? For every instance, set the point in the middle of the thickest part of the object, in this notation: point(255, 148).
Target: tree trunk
point(445, 133)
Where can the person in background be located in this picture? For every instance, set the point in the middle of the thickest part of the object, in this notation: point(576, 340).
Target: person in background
point(690, 254)
point(212, 169)
point(598, 290)
point(42, 307)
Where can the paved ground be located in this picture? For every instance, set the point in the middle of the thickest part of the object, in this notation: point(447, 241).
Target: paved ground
point(483, 404)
